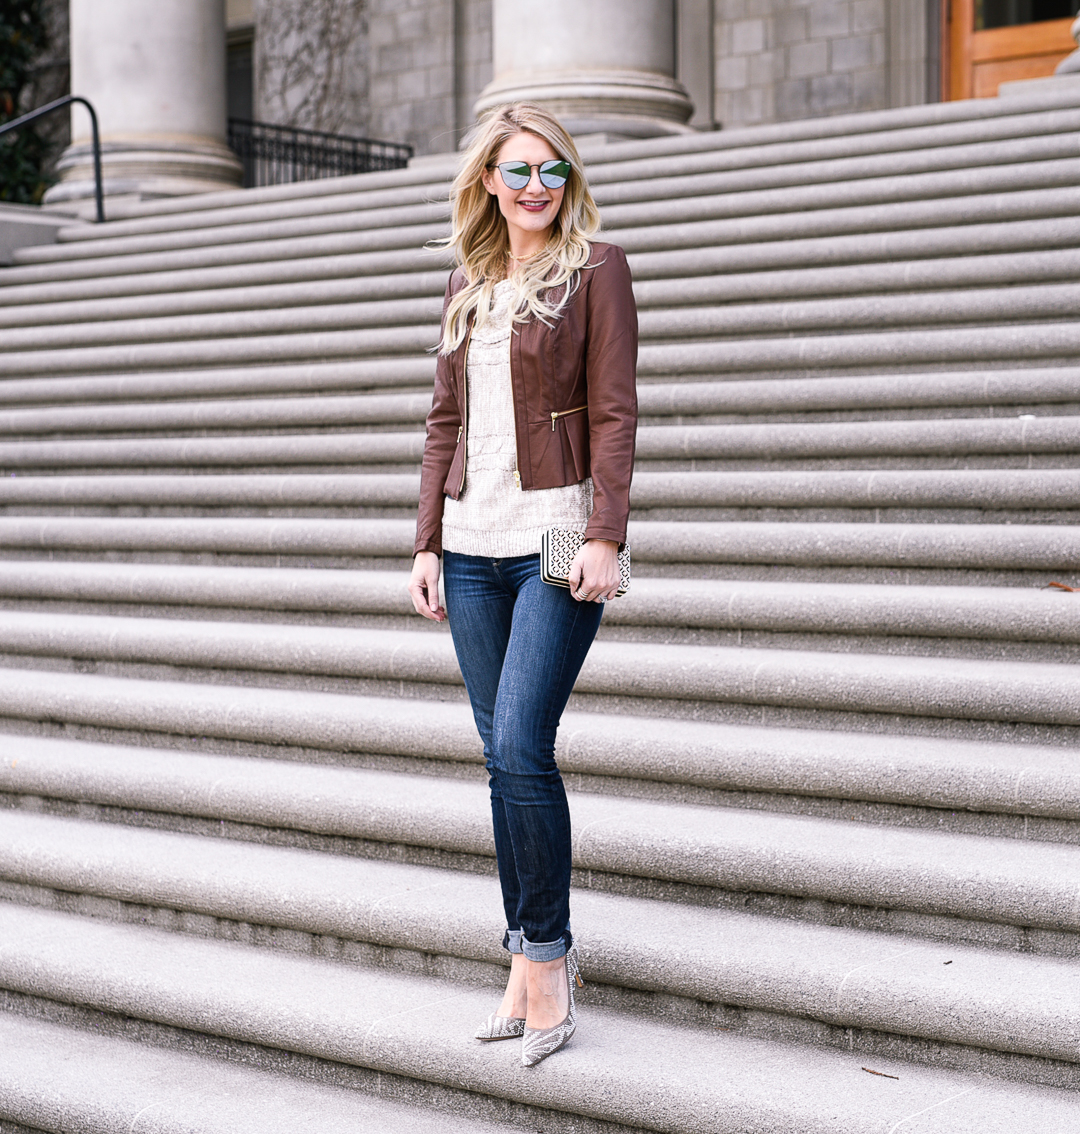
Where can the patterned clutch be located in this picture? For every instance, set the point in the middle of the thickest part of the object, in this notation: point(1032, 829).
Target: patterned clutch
point(557, 550)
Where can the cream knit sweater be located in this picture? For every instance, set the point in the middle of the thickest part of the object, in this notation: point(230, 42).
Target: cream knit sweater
point(493, 516)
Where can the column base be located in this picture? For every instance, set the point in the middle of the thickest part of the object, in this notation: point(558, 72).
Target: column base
point(1059, 81)
point(1070, 65)
point(634, 104)
point(147, 168)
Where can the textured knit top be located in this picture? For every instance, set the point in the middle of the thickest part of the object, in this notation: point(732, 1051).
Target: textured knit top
point(493, 516)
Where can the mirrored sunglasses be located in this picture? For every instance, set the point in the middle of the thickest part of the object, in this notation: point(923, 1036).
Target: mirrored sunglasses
point(516, 174)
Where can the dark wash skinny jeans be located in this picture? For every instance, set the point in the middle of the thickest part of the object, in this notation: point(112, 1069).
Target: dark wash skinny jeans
point(521, 643)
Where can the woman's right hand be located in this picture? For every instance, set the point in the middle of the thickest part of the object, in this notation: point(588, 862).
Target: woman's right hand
point(424, 586)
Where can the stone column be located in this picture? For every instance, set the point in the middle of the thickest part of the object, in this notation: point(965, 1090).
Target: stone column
point(155, 72)
point(603, 66)
point(1070, 65)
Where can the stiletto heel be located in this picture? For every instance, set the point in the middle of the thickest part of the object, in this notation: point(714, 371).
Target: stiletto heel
point(539, 1043)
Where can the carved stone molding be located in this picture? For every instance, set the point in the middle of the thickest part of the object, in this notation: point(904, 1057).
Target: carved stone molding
point(1071, 64)
point(155, 72)
point(607, 66)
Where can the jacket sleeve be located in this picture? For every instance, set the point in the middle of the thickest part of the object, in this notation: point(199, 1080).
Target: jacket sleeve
point(611, 372)
point(443, 423)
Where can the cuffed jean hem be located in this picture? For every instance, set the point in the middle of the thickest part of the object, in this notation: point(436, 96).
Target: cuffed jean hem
point(545, 950)
point(515, 941)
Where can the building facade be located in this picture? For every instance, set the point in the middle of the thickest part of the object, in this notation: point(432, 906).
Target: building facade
point(417, 71)
point(421, 65)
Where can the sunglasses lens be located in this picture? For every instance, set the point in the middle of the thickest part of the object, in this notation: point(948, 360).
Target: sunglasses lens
point(553, 174)
point(515, 174)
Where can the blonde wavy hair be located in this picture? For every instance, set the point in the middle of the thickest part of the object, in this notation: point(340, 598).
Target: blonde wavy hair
point(481, 241)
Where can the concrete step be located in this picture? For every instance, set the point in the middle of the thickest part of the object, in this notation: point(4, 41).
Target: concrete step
point(330, 266)
point(882, 247)
point(870, 131)
point(994, 1001)
point(1009, 138)
point(904, 277)
point(863, 132)
point(369, 270)
point(410, 316)
point(806, 355)
point(71, 1078)
point(974, 889)
point(858, 394)
point(372, 342)
point(1033, 548)
point(1001, 166)
point(763, 442)
point(404, 325)
point(278, 536)
point(963, 492)
point(985, 613)
point(332, 244)
point(218, 414)
point(269, 450)
point(397, 298)
point(312, 378)
point(347, 194)
point(406, 285)
point(915, 686)
point(954, 489)
point(948, 347)
point(418, 1029)
point(395, 217)
point(967, 307)
point(952, 437)
point(646, 235)
point(875, 192)
point(879, 218)
point(759, 397)
point(748, 147)
point(423, 171)
point(1012, 790)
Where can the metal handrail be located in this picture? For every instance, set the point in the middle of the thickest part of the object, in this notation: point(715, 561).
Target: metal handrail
point(276, 155)
point(99, 196)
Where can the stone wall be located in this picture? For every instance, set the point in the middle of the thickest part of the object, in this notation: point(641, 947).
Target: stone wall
point(473, 56)
point(411, 49)
point(411, 70)
point(429, 61)
point(311, 64)
point(397, 70)
point(778, 60)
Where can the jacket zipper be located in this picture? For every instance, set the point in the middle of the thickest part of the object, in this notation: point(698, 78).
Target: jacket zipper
point(463, 428)
point(562, 413)
point(517, 459)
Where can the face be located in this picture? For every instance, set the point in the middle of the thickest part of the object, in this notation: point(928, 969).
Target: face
point(531, 210)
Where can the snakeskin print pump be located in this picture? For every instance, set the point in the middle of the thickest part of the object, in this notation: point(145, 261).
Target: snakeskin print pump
point(539, 1043)
point(500, 1027)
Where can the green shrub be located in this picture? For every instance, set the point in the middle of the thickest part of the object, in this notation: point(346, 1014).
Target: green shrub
point(23, 153)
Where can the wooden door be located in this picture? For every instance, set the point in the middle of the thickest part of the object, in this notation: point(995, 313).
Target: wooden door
point(978, 61)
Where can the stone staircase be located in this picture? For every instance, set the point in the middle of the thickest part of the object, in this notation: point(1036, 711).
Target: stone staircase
point(822, 758)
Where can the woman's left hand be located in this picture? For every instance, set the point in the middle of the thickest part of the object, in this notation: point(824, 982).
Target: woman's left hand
point(594, 574)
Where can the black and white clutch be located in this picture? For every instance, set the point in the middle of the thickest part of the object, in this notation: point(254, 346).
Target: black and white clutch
point(557, 550)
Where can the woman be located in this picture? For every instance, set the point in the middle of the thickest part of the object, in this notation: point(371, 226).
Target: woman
point(531, 427)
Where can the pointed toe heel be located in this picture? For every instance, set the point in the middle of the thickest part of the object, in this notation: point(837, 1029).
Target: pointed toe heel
point(500, 1028)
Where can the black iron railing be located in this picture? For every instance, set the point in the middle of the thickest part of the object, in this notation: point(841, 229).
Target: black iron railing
point(59, 104)
point(278, 155)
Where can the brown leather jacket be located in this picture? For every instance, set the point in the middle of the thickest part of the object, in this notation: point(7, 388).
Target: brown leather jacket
point(575, 403)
